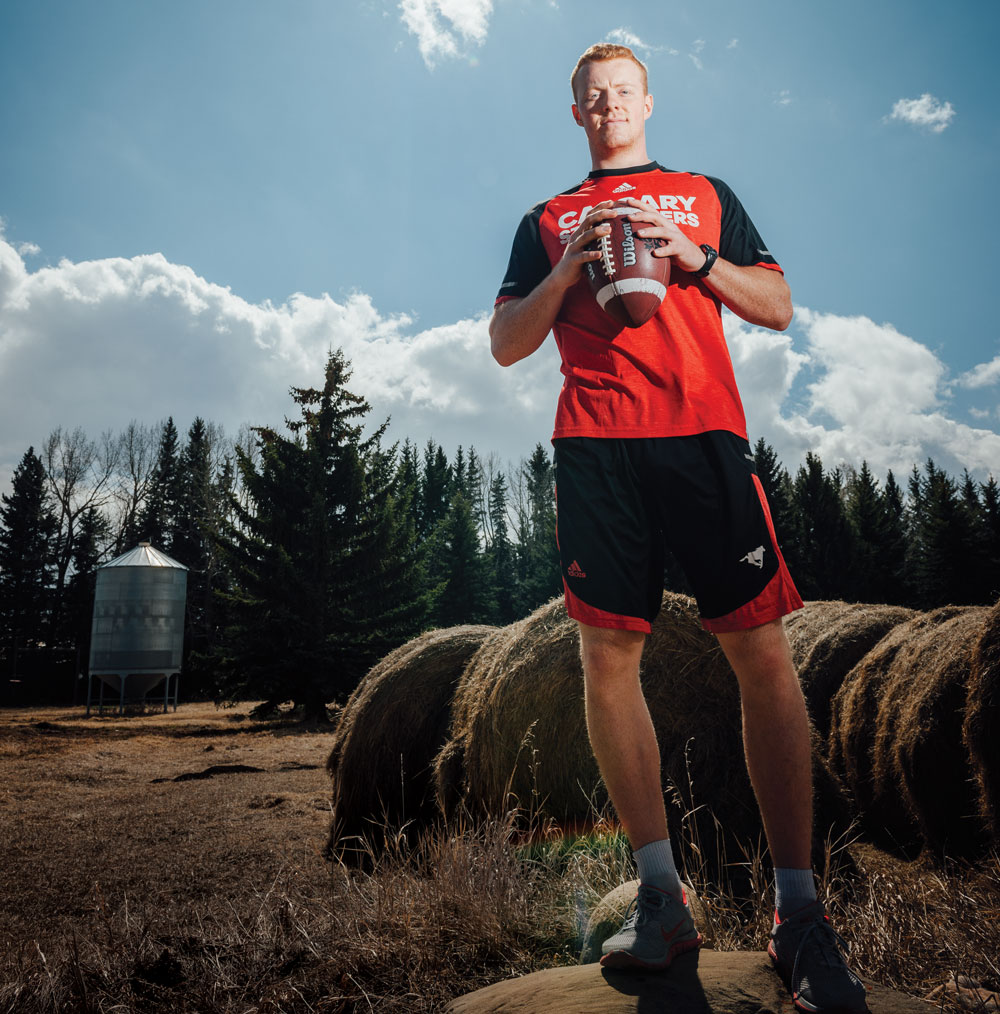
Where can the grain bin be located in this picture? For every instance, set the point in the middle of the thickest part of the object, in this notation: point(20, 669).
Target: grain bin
point(137, 636)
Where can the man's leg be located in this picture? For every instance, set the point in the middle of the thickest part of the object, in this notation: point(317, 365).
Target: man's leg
point(659, 926)
point(621, 731)
point(804, 947)
point(776, 739)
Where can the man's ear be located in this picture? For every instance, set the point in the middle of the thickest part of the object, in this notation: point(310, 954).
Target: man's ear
point(576, 115)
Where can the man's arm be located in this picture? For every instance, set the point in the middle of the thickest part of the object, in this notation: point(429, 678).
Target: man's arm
point(757, 294)
point(520, 325)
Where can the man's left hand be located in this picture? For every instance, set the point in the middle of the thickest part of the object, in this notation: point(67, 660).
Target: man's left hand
point(683, 251)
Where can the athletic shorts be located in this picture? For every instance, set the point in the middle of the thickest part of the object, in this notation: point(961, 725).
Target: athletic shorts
point(622, 502)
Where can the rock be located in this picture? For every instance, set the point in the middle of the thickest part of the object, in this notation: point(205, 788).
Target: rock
point(965, 994)
point(703, 982)
point(608, 915)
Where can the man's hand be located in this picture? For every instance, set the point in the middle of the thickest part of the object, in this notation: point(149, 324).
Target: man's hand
point(519, 326)
point(757, 294)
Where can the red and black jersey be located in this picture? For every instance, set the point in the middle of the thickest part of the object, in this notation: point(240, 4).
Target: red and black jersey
point(672, 376)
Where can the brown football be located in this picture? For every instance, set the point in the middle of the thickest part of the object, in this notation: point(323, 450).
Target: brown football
point(628, 282)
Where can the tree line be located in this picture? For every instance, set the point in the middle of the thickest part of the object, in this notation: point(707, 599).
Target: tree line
point(314, 550)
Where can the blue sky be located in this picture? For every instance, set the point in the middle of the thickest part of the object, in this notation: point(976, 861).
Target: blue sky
point(199, 198)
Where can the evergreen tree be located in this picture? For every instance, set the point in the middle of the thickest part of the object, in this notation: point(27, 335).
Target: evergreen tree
point(323, 556)
point(868, 579)
point(821, 541)
point(990, 493)
point(159, 518)
point(539, 551)
point(464, 594)
point(941, 532)
point(92, 541)
point(28, 529)
point(775, 482)
point(435, 490)
point(500, 554)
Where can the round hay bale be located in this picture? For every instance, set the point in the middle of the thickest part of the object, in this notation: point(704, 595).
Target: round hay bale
point(519, 736)
point(851, 742)
point(981, 729)
point(389, 733)
point(918, 749)
point(829, 640)
point(518, 725)
point(609, 914)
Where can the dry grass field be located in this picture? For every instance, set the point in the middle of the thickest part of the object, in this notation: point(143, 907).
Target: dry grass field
point(174, 863)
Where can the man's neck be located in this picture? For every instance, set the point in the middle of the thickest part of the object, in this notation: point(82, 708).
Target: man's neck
point(620, 158)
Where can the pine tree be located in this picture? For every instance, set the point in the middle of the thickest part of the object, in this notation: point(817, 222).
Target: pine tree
point(158, 521)
point(821, 541)
point(540, 552)
point(323, 556)
point(990, 493)
point(435, 490)
point(92, 542)
point(500, 554)
point(464, 594)
point(28, 530)
point(938, 560)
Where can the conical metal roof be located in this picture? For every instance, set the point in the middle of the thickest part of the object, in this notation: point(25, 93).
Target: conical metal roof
point(144, 555)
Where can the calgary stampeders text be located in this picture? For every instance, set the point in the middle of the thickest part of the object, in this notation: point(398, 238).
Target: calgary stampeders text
point(670, 205)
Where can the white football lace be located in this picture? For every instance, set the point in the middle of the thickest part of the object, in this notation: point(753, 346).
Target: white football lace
point(607, 256)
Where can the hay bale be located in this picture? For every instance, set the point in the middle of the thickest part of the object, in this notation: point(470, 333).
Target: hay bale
point(390, 731)
point(918, 748)
point(895, 733)
point(828, 639)
point(981, 729)
point(519, 736)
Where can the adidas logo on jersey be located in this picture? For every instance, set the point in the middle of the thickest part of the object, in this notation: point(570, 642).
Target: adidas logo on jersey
point(574, 570)
point(623, 189)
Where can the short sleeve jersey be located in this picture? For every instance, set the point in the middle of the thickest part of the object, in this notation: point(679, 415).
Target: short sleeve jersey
point(673, 375)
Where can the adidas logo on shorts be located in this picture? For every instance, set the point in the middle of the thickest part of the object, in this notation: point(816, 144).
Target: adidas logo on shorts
point(574, 570)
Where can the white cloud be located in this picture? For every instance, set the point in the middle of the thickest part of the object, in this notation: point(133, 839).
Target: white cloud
point(927, 111)
point(624, 36)
point(983, 375)
point(99, 343)
point(849, 389)
point(783, 98)
point(29, 249)
point(732, 44)
point(446, 28)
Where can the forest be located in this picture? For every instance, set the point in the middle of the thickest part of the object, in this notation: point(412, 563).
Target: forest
point(314, 550)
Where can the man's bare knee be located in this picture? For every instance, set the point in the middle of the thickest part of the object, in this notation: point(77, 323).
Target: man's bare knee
point(610, 655)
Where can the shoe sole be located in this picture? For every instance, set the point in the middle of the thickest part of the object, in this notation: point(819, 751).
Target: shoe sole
point(622, 960)
point(802, 1005)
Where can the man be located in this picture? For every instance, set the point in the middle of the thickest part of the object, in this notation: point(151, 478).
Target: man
point(650, 446)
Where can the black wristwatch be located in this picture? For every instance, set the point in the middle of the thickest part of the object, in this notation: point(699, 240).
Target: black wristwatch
point(710, 256)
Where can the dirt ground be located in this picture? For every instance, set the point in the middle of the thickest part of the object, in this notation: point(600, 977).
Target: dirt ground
point(173, 808)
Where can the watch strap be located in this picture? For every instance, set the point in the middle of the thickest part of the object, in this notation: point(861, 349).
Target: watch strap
point(711, 254)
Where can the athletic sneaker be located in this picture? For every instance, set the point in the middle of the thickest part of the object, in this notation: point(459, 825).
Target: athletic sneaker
point(806, 951)
point(658, 927)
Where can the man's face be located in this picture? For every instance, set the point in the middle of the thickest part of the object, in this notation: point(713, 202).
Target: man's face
point(611, 104)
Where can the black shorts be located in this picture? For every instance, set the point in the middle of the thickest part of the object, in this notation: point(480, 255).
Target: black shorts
point(622, 502)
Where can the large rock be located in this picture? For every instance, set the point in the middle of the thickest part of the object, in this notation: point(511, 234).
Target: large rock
point(705, 982)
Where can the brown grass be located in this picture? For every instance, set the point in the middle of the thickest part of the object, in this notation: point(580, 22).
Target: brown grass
point(121, 892)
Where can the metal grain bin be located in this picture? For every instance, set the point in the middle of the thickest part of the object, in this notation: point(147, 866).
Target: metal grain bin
point(137, 636)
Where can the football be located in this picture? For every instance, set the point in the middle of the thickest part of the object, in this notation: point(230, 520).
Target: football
point(628, 282)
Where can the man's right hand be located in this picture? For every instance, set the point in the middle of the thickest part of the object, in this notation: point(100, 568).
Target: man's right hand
point(576, 254)
point(519, 326)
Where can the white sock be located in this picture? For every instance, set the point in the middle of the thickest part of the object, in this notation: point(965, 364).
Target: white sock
point(793, 889)
point(655, 863)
